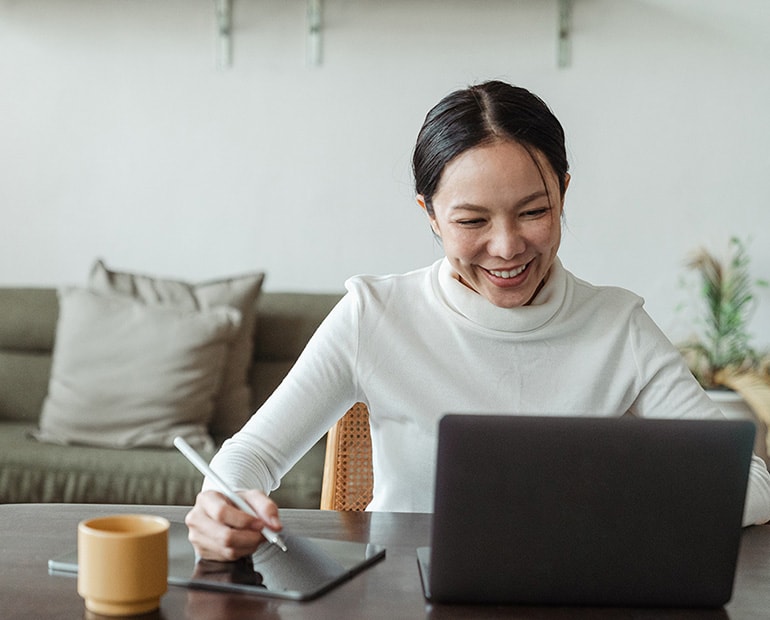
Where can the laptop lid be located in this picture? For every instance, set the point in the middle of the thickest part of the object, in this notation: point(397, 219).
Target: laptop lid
point(587, 511)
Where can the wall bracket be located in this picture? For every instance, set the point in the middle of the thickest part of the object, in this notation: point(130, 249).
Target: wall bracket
point(224, 15)
point(314, 31)
point(564, 54)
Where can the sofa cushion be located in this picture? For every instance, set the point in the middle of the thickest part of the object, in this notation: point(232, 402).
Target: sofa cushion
point(28, 319)
point(287, 321)
point(34, 472)
point(127, 374)
point(27, 327)
point(24, 377)
point(233, 401)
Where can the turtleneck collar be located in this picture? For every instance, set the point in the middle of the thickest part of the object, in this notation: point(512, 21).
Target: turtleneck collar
point(480, 311)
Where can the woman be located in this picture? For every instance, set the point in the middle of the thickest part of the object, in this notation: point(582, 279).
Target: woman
point(497, 325)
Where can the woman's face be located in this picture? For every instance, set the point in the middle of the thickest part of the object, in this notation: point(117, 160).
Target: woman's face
point(499, 229)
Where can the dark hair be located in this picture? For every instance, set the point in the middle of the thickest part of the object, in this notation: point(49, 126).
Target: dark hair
point(479, 115)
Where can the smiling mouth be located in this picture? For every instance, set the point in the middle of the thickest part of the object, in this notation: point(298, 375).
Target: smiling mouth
point(507, 274)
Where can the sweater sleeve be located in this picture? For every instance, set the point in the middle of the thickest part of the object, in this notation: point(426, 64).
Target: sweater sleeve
point(670, 390)
point(316, 392)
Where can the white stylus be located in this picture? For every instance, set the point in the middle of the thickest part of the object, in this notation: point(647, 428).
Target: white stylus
point(203, 467)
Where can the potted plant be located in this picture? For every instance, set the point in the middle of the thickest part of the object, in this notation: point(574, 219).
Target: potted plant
point(722, 340)
point(720, 354)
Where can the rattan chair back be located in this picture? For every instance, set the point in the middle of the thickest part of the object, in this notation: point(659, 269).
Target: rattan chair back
point(348, 478)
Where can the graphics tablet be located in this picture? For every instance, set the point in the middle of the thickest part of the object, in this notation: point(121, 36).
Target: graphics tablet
point(310, 567)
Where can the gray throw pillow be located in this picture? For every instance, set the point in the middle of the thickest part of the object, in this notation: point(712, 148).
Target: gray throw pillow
point(232, 405)
point(128, 374)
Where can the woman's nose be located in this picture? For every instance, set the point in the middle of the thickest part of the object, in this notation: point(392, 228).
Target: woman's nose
point(506, 242)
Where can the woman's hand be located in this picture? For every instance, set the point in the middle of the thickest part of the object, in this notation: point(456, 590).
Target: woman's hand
point(220, 531)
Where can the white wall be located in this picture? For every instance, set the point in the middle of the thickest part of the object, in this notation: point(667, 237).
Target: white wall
point(120, 138)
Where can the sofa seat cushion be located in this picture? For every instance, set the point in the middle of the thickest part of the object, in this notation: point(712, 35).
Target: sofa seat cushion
point(35, 472)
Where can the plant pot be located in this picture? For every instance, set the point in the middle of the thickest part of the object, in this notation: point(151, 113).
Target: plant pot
point(735, 408)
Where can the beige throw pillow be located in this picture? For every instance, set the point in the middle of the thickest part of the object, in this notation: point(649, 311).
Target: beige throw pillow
point(128, 374)
point(232, 406)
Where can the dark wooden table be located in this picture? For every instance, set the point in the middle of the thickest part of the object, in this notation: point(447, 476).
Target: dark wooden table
point(30, 534)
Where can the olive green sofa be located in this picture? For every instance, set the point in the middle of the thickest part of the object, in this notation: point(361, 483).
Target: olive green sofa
point(34, 471)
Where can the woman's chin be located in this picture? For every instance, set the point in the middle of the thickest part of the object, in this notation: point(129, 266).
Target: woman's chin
point(507, 298)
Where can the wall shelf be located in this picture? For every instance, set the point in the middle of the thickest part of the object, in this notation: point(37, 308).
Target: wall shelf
point(314, 24)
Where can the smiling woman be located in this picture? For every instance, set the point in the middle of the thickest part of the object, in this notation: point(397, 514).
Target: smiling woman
point(497, 213)
point(490, 170)
point(497, 325)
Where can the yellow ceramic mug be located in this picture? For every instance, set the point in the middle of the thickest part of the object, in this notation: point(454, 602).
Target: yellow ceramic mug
point(123, 563)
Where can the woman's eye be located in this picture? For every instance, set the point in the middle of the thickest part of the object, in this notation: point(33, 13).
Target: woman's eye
point(535, 212)
point(471, 222)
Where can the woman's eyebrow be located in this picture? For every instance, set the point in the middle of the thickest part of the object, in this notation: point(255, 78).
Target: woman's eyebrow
point(468, 206)
point(541, 193)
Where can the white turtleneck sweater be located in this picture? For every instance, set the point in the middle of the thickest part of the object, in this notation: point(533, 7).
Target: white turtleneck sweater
point(418, 345)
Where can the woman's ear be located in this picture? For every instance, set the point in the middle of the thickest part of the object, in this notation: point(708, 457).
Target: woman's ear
point(431, 217)
point(567, 179)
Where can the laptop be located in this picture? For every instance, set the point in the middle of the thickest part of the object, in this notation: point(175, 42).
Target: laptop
point(624, 512)
point(311, 566)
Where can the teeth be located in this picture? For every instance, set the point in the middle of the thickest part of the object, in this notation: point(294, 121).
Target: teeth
point(507, 274)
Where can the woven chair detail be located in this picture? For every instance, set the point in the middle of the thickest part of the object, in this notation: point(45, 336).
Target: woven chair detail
point(347, 477)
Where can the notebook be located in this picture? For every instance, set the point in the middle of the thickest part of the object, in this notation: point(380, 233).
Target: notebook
point(310, 567)
point(618, 512)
